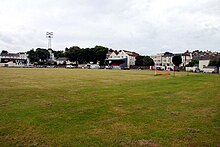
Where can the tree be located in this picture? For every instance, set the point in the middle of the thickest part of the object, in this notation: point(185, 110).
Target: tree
point(73, 53)
point(40, 55)
point(89, 55)
point(219, 62)
point(4, 52)
point(214, 63)
point(32, 56)
point(58, 54)
point(177, 60)
point(100, 54)
point(193, 62)
point(148, 61)
point(139, 61)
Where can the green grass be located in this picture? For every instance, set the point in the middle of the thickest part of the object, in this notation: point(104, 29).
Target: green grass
point(73, 107)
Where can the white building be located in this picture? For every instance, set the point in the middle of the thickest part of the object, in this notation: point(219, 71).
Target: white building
point(14, 59)
point(203, 63)
point(165, 59)
point(61, 60)
point(186, 59)
point(122, 58)
point(51, 54)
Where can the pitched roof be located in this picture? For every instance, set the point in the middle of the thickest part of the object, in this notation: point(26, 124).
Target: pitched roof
point(207, 57)
point(168, 54)
point(10, 54)
point(116, 52)
point(131, 53)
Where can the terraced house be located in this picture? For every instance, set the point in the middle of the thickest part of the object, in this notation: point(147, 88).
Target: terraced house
point(165, 59)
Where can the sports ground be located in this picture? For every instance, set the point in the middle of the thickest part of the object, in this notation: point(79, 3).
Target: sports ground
point(84, 107)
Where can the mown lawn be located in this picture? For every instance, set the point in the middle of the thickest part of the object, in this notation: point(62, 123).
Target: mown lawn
point(73, 107)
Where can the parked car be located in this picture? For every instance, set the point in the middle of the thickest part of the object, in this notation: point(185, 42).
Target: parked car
point(71, 66)
point(210, 69)
point(108, 67)
point(193, 69)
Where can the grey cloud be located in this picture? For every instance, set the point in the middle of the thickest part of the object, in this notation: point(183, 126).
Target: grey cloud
point(5, 39)
point(146, 26)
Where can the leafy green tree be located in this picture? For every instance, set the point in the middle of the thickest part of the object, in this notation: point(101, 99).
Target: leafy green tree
point(32, 56)
point(82, 56)
point(89, 55)
point(73, 53)
point(193, 62)
point(100, 54)
point(58, 54)
point(42, 54)
point(214, 63)
point(177, 60)
point(148, 61)
point(139, 61)
point(219, 62)
point(4, 52)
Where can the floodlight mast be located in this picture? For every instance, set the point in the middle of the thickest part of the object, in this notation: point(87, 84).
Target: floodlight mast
point(49, 35)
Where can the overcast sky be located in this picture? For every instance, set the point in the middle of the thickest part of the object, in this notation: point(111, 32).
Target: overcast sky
point(144, 26)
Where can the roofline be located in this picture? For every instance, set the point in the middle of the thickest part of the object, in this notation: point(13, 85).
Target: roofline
point(115, 59)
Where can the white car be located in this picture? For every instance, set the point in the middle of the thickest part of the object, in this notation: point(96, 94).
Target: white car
point(70, 66)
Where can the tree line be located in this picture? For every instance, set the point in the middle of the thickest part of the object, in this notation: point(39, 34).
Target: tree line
point(74, 54)
point(96, 54)
point(79, 55)
point(144, 61)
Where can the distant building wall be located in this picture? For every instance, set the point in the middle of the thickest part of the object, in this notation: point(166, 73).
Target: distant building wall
point(203, 63)
point(122, 55)
point(166, 60)
point(14, 60)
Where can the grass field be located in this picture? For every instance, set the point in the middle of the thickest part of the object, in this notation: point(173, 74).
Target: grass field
point(73, 107)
